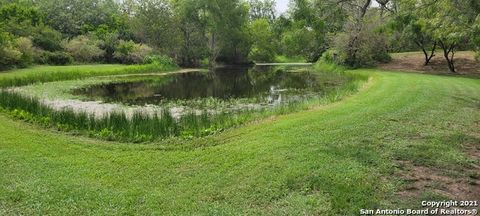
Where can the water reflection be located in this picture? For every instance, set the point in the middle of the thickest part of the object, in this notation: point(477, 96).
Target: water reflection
point(262, 84)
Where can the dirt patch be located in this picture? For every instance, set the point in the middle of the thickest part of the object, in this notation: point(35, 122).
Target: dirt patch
point(421, 179)
point(414, 62)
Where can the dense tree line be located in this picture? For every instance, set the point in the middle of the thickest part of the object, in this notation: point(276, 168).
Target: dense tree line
point(206, 32)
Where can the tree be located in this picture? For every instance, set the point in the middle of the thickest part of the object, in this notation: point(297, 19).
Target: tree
point(47, 38)
point(73, 17)
point(305, 34)
point(262, 49)
point(225, 24)
point(450, 26)
point(19, 19)
point(154, 24)
point(192, 32)
point(262, 9)
point(409, 21)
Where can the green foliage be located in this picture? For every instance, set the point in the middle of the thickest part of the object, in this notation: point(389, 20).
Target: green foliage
point(15, 52)
point(262, 49)
point(25, 46)
point(160, 60)
point(154, 24)
point(9, 55)
point(129, 52)
point(330, 56)
point(19, 19)
point(289, 59)
point(74, 18)
point(84, 49)
point(56, 58)
point(109, 43)
point(262, 9)
point(362, 47)
point(232, 31)
point(47, 39)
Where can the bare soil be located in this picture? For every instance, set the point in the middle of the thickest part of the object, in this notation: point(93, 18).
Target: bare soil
point(465, 63)
point(422, 179)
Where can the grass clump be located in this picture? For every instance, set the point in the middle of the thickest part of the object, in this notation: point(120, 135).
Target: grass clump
point(117, 126)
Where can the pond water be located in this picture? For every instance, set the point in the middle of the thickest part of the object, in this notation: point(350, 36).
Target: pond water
point(259, 85)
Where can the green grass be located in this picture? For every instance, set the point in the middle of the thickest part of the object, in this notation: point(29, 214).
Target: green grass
point(331, 160)
point(41, 74)
point(287, 59)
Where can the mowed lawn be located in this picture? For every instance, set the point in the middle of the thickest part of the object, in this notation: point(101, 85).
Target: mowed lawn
point(361, 152)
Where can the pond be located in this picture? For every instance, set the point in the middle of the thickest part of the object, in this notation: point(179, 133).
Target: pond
point(261, 85)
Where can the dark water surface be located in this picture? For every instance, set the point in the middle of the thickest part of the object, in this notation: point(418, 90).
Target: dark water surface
point(265, 84)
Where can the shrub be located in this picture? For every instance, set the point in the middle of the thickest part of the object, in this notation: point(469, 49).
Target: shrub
point(15, 52)
point(25, 47)
point(129, 52)
point(160, 60)
point(56, 58)
point(84, 49)
point(260, 55)
point(9, 56)
point(362, 48)
point(48, 39)
point(330, 56)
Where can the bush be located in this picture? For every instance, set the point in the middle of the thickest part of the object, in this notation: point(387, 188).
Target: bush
point(48, 39)
point(25, 46)
point(129, 52)
point(15, 52)
point(330, 56)
point(364, 48)
point(9, 56)
point(160, 60)
point(84, 49)
point(56, 58)
point(261, 55)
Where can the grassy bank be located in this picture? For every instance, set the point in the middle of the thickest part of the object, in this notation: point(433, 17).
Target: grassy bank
point(286, 59)
point(332, 160)
point(56, 73)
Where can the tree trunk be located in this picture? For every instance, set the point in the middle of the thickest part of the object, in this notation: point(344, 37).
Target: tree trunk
point(450, 62)
point(449, 54)
point(214, 51)
point(429, 57)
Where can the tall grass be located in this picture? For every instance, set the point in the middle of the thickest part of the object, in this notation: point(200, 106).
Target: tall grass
point(117, 126)
point(31, 76)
